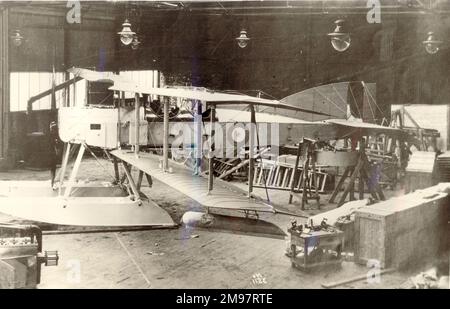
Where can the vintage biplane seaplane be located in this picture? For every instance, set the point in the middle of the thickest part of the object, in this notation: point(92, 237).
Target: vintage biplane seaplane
point(76, 203)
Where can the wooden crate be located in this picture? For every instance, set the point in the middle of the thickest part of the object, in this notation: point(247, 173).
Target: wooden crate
point(420, 172)
point(417, 180)
point(373, 229)
point(403, 230)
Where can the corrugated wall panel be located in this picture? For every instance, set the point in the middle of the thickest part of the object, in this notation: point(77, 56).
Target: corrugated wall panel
point(25, 85)
point(144, 77)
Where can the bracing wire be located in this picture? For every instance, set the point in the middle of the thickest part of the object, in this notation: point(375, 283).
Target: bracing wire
point(356, 103)
point(98, 161)
point(329, 100)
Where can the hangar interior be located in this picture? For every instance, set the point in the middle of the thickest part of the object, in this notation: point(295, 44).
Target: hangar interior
point(340, 177)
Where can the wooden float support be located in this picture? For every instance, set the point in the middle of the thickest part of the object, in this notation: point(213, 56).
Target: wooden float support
point(62, 172)
point(134, 189)
point(75, 169)
point(361, 170)
point(309, 179)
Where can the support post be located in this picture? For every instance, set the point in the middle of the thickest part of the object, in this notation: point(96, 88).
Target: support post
point(132, 183)
point(198, 138)
point(212, 148)
point(75, 169)
point(361, 174)
point(315, 177)
point(352, 190)
point(139, 182)
point(136, 125)
point(295, 172)
point(166, 135)
point(339, 185)
point(62, 171)
point(116, 170)
point(149, 180)
point(74, 94)
point(251, 165)
point(305, 175)
point(351, 183)
point(119, 120)
point(361, 185)
point(4, 83)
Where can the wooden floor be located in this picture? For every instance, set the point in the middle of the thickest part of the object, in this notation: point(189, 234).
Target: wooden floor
point(182, 258)
point(171, 259)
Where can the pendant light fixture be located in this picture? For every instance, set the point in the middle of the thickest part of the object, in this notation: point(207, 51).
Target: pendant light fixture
point(126, 35)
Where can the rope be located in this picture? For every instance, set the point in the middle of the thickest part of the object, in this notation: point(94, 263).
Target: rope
point(373, 99)
point(350, 133)
point(370, 105)
point(339, 95)
point(105, 98)
point(328, 99)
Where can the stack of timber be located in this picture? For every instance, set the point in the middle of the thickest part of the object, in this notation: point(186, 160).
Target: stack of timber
point(443, 164)
point(223, 165)
point(279, 175)
point(403, 230)
point(226, 168)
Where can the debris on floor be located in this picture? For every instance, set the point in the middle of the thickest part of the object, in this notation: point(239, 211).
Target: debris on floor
point(427, 280)
point(207, 243)
point(155, 253)
point(367, 276)
point(188, 237)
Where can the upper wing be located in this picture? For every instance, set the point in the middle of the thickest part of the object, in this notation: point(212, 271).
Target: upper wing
point(218, 98)
point(94, 76)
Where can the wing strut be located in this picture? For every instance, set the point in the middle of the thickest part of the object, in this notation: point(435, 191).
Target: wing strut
point(251, 155)
point(136, 125)
point(198, 141)
point(165, 165)
point(212, 148)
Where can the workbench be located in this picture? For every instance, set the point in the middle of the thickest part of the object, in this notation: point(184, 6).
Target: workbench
point(310, 248)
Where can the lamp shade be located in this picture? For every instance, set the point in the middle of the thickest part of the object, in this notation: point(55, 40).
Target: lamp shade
point(126, 35)
point(431, 44)
point(17, 38)
point(340, 40)
point(243, 39)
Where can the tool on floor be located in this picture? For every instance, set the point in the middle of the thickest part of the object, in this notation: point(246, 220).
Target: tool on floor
point(334, 284)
